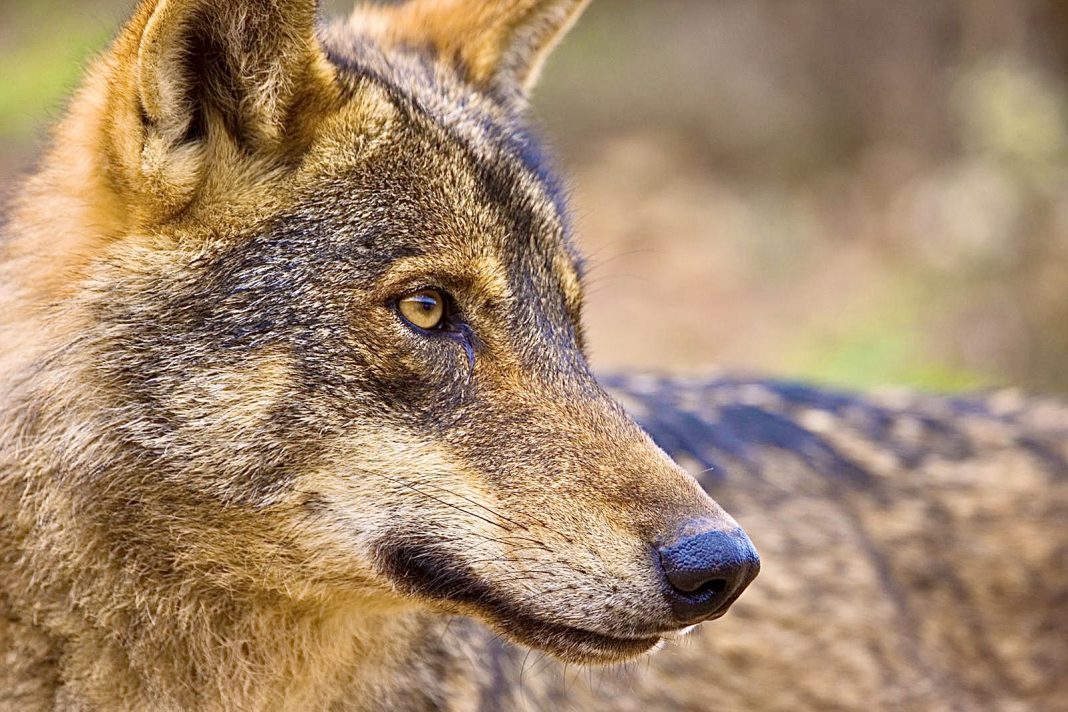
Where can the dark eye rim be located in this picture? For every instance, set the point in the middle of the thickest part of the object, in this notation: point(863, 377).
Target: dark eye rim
point(452, 326)
point(448, 323)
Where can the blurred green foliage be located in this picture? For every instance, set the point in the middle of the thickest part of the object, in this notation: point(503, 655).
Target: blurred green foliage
point(43, 51)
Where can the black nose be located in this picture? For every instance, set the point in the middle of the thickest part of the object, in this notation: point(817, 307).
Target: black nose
point(707, 571)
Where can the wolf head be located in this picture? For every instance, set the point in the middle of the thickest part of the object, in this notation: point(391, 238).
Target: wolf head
point(327, 306)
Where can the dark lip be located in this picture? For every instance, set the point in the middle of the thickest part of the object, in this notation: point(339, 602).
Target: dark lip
point(426, 572)
point(568, 643)
point(571, 643)
point(579, 645)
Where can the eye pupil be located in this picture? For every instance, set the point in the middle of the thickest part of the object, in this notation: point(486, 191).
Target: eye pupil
point(424, 309)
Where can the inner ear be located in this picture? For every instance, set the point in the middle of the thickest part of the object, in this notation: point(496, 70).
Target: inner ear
point(194, 117)
point(213, 86)
point(246, 63)
point(197, 130)
point(192, 80)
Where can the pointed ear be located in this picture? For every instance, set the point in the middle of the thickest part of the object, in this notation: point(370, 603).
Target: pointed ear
point(189, 72)
point(500, 44)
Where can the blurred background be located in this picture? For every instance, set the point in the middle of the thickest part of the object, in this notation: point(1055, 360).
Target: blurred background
point(858, 193)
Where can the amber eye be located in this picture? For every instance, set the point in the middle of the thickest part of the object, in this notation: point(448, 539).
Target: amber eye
point(424, 309)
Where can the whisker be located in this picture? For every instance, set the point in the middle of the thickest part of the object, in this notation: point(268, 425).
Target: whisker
point(442, 501)
point(479, 504)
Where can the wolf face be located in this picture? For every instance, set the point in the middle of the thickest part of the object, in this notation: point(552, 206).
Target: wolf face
point(329, 312)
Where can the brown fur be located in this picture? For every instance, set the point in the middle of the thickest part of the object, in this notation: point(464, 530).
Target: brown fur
point(499, 46)
point(232, 478)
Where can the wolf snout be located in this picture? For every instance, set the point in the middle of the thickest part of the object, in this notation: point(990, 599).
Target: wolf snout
point(706, 569)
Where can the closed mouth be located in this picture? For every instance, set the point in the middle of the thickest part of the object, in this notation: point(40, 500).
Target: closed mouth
point(574, 644)
point(435, 576)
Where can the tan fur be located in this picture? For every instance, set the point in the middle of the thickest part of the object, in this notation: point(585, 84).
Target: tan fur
point(501, 45)
point(232, 478)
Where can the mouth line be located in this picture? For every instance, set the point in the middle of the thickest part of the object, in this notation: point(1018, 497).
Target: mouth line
point(626, 638)
point(610, 638)
point(575, 644)
point(569, 643)
point(586, 646)
point(440, 581)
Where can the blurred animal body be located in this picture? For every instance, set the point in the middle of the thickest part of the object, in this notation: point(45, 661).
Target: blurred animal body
point(295, 414)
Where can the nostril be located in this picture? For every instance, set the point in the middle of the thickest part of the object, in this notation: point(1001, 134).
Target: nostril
point(710, 588)
point(706, 571)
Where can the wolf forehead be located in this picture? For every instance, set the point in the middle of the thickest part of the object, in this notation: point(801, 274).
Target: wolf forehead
point(475, 141)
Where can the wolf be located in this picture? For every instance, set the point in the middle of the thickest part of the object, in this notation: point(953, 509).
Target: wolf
point(296, 414)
